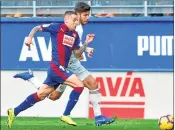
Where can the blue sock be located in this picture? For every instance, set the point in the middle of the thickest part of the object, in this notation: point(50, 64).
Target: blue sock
point(73, 98)
point(29, 102)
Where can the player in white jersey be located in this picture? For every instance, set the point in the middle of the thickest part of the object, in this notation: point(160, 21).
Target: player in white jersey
point(83, 11)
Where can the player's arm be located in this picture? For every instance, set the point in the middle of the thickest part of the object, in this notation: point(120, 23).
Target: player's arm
point(89, 51)
point(79, 52)
point(31, 34)
point(34, 31)
point(52, 28)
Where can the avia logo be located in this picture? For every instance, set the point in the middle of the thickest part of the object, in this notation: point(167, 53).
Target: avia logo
point(68, 40)
point(121, 96)
point(40, 52)
point(155, 45)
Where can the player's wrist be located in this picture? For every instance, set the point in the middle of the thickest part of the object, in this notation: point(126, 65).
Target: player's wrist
point(30, 36)
point(86, 42)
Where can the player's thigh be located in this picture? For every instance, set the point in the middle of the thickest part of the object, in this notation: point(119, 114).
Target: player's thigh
point(75, 66)
point(73, 81)
point(58, 74)
point(78, 70)
point(44, 91)
point(90, 82)
point(55, 76)
point(84, 75)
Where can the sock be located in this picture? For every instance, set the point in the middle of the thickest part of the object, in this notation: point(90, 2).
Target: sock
point(73, 98)
point(36, 82)
point(94, 97)
point(27, 103)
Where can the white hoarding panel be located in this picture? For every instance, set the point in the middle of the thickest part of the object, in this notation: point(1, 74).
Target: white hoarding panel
point(125, 94)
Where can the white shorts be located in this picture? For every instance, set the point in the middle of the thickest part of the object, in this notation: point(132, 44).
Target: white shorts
point(78, 70)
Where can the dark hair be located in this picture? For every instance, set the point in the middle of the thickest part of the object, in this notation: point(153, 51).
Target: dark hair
point(69, 13)
point(82, 7)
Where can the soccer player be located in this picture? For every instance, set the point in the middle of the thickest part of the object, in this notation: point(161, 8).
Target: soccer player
point(83, 11)
point(64, 40)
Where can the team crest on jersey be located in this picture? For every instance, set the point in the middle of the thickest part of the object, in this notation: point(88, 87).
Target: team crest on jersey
point(68, 40)
point(74, 35)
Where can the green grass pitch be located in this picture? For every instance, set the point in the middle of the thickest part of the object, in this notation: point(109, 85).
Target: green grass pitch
point(37, 123)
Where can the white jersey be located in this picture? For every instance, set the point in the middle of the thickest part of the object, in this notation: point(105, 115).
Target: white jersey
point(79, 30)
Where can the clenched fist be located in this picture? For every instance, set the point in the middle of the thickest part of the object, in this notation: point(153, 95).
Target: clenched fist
point(28, 42)
point(89, 38)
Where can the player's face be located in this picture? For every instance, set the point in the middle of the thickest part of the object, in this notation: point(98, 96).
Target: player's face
point(73, 22)
point(84, 17)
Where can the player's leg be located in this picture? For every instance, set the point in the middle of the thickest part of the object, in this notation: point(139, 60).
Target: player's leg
point(94, 97)
point(94, 94)
point(28, 75)
point(52, 81)
point(43, 92)
point(73, 68)
point(55, 95)
point(91, 84)
point(78, 87)
point(70, 79)
point(61, 75)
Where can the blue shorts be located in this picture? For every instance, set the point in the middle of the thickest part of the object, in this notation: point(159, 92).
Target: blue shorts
point(56, 75)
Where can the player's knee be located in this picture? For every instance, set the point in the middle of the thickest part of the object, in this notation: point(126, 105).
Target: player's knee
point(54, 97)
point(80, 84)
point(91, 84)
point(41, 97)
point(44, 91)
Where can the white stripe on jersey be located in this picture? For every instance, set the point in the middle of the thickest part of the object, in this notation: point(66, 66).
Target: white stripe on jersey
point(79, 30)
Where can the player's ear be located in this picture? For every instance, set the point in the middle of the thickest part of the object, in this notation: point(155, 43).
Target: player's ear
point(78, 14)
point(66, 19)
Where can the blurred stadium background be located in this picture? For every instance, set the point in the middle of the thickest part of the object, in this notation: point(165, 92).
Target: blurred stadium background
point(117, 7)
point(132, 62)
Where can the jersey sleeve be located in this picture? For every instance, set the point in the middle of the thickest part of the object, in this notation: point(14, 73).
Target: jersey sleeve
point(77, 43)
point(52, 28)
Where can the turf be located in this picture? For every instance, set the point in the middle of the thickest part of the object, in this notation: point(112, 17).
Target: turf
point(26, 123)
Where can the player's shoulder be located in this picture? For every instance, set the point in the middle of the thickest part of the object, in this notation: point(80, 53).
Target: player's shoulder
point(51, 25)
point(56, 24)
point(79, 28)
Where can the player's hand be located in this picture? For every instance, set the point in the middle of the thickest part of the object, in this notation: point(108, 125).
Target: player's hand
point(28, 41)
point(89, 38)
point(90, 51)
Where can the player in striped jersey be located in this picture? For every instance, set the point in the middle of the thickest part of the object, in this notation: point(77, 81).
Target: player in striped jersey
point(83, 11)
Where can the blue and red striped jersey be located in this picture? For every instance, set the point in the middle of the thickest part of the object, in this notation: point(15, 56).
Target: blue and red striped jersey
point(63, 42)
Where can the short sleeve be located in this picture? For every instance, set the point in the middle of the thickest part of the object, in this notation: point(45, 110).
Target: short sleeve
point(77, 43)
point(52, 28)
